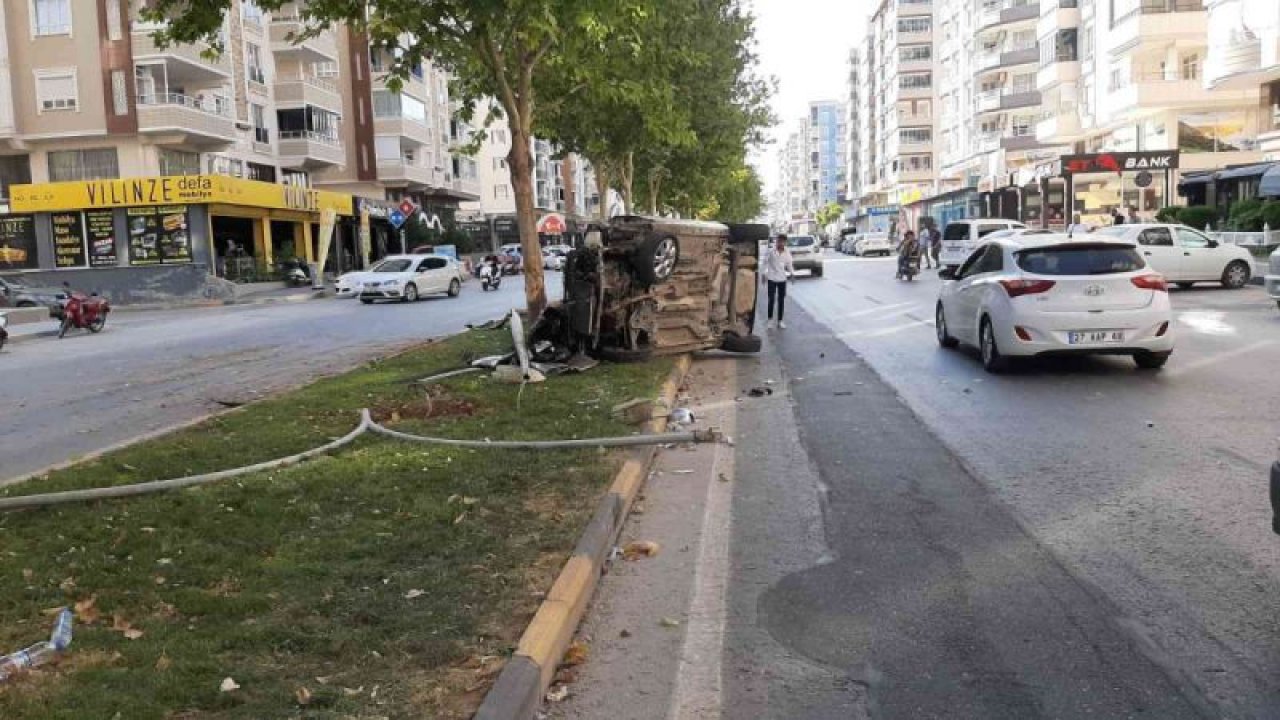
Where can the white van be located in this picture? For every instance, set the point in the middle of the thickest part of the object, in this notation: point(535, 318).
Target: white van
point(961, 237)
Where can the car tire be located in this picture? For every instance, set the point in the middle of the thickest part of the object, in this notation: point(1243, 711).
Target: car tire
point(816, 271)
point(992, 361)
point(1151, 360)
point(940, 325)
point(26, 304)
point(735, 343)
point(656, 258)
point(455, 288)
point(410, 293)
point(1236, 275)
point(622, 355)
point(1185, 285)
point(367, 301)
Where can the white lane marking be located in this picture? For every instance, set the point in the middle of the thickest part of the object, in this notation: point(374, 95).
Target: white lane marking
point(885, 331)
point(1216, 358)
point(699, 680)
point(1206, 322)
point(878, 309)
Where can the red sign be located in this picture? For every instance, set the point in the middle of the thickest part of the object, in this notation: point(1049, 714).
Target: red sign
point(408, 207)
point(1120, 162)
point(552, 224)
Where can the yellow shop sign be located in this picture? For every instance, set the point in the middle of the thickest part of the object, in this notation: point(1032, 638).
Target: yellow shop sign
point(173, 190)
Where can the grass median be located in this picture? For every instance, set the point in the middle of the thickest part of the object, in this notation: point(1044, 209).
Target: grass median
point(386, 580)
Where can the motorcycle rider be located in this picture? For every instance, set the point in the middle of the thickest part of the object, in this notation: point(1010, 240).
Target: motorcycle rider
point(490, 274)
point(908, 249)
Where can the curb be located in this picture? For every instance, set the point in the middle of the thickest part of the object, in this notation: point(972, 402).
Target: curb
point(517, 693)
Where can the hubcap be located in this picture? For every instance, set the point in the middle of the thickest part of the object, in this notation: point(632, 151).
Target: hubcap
point(1236, 275)
point(664, 258)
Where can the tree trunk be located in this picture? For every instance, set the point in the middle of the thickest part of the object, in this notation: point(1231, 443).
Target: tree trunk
point(602, 189)
point(628, 171)
point(520, 160)
point(655, 184)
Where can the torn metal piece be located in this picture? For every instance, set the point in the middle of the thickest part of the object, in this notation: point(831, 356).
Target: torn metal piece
point(490, 362)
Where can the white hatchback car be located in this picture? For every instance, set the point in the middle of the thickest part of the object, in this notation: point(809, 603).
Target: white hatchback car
point(1184, 255)
point(1048, 294)
point(409, 277)
point(869, 243)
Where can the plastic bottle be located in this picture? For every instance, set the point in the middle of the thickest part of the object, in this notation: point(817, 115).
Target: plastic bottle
point(60, 640)
point(40, 653)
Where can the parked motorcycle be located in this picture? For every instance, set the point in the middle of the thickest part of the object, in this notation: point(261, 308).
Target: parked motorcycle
point(4, 332)
point(85, 312)
point(295, 273)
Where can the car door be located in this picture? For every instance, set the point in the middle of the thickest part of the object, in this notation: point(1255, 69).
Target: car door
point(968, 294)
point(422, 277)
point(439, 274)
point(1201, 259)
point(1158, 250)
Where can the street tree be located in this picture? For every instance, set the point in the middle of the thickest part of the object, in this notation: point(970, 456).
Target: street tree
point(500, 49)
point(829, 213)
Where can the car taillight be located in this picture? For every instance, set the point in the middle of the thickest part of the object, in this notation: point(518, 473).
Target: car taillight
point(1017, 288)
point(1151, 282)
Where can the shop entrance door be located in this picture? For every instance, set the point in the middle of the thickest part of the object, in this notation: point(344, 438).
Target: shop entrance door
point(233, 249)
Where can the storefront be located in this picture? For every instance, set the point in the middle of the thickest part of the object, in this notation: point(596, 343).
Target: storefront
point(1101, 184)
point(157, 238)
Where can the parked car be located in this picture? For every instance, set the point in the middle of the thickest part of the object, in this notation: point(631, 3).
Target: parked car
point(1272, 278)
point(960, 237)
point(1184, 255)
point(408, 277)
point(14, 293)
point(1050, 294)
point(872, 244)
point(806, 254)
point(657, 286)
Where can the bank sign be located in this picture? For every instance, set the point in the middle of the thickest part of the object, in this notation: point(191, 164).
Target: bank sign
point(1120, 162)
point(173, 190)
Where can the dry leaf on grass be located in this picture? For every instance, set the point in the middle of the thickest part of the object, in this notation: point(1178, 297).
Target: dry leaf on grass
point(667, 622)
point(27, 574)
point(575, 655)
point(415, 593)
point(640, 548)
point(163, 663)
point(228, 685)
point(302, 695)
point(87, 611)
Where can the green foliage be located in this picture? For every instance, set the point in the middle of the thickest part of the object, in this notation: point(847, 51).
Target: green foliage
point(1271, 214)
point(464, 242)
point(829, 214)
point(1168, 214)
point(1245, 216)
point(1197, 216)
point(418, 233)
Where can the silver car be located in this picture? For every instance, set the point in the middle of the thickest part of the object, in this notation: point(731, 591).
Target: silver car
point(806, 254)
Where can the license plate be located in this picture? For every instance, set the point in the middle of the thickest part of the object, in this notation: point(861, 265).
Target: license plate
point(1090, 337)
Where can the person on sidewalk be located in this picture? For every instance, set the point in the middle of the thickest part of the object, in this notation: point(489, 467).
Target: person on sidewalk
point(1077, 227)
point(777, 269)
point(928, 236)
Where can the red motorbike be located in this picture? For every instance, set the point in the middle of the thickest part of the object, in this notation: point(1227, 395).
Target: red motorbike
point(86, 312)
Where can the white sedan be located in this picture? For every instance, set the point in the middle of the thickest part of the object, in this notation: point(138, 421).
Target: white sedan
point(407, 278)
point(1049, 294)
point(1184, 255)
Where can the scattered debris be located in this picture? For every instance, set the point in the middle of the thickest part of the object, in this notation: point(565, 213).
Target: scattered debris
point(163, 663)
point(558, 693)
point(490, 362)
point(625, 633)
point(415, 593)
point(40, 653)
point(667, 622)
point(124, 627)
point(229, 403)
point(723, 478)
point(1151, 423)
point(575, 655)
point(229, 685)
point(842, 393)
point(490, 325)
point(87, 610)
point(638, 549)
point(515, 375)
point(760, 391)
point(681, 416)
point(679, 472)
point(302, 695)
point(633, 411)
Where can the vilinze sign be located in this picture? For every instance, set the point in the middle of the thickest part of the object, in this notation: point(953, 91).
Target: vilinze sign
point(173, 190)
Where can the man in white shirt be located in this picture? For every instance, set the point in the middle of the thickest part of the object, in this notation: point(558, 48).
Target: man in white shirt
point(1077, 227)
point(776, 269)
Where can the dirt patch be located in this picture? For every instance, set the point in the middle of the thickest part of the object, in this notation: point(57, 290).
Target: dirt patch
point(433, 402)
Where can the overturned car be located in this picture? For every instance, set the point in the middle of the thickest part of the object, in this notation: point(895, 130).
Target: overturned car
point(643, 287)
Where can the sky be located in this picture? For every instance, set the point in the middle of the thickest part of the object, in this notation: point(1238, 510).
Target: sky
point(805, 45)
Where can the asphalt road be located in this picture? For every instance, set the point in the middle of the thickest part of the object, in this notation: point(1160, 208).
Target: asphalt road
point(150, 370)
point(909, 537)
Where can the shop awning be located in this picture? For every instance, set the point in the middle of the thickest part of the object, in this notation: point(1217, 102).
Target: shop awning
point(1247, 171)
point(1194, 179)
point(1270, 185)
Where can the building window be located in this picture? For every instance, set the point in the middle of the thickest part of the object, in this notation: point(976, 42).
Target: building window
point(501, 192)
point(915, 53)
point(915, 81)
point(253, 63)
point(250, 12)
point(14, 170)
point(223, 165)
point(261, 173)
point(261, 133)
point(914, 25)
point(115, 29)
point(387, 104)
point(119, 93)
point(179, 162)
point(915, 136)
point(1191, 66)
point(51, 17)
point(56, 90)
point(499, 163)
point(98, 164)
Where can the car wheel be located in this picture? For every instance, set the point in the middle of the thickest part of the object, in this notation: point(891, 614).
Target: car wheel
point(1185, 285)
point(455, 288)
point(25, 304)
point(735, 343)
point(1236, 275)
point(367, 301)
point(940, 325)
point(1151, 360)
point(816, 271)
point(992, 361)
point(655, 260)
point(410, 293)
point(621, 355)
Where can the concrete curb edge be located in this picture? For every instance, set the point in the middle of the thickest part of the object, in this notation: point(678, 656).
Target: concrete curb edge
point(517, 693)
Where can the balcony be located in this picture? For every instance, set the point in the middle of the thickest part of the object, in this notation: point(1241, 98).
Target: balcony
point(179, 119)
point(988, 101)
point(915, 93)
point(919, 119)
point(1007, 14)
point(1062, 127)
point(397, 172)
point(466, 188)
point(297, 92)
point(308, 150)
point(914, 174)
point(186, 59)
point(1061, 72)
point(402, 127)
point(1016, 100)
point(988, 142)
point(1158, 22)
point(1019, 139)
point(285, 30)
point(1055, 17)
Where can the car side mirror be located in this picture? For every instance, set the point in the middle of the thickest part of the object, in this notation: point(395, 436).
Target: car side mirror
point(947, 274)
point(1213, 243)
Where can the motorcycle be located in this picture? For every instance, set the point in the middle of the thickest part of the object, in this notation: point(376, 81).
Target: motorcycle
point(490, 277)
point(85, 312)
point(295, 272)
point(908, 267)
point(4, 332)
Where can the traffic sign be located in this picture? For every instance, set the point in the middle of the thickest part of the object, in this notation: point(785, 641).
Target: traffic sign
point(397, 218)
point(407, 207)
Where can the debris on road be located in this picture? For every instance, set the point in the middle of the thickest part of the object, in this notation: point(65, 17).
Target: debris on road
point(667, 622)
point(681, 416)
point(558, 693)
point(638, 549)
point(760, 391)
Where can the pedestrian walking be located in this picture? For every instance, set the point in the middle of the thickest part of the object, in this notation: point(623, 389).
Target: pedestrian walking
point(928, 237)
point(776, 270)
point(1117, 218)
point(1133, 216)
point(1076, 226)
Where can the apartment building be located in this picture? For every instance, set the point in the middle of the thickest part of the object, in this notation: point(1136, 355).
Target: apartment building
point(245, 150)
point(900, 126)
point(826, 151)
point(1243, 54)
point(853, 155)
